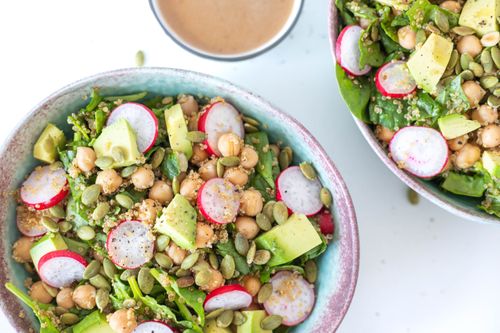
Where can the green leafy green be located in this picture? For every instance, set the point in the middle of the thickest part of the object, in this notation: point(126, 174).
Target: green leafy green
point(259, 183)
point(370, 52)
point(260, 142)
point(314, 252)
point(362, 10)
point(355, 92)
point(228, 248)
point(127, 98)
point(390, 113)
point(462, 184)
point(346, 16)
point(170, 166)
point(265, 274)
point(95, 99)
point(99, 121)
point(76, 212)
point(422, 12)
point(453, 98)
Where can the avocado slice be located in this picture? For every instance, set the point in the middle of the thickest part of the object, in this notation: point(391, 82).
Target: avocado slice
point(252, 324)
point(211, 327)
point(93, 323)
point(51, 139)
point(289, 240)
point(454, 125)
point(491, 162)
point(177, 131)
point(48, 243)
point(480, 15)
point(118, 135)
point(178, 221)
point(428, 63)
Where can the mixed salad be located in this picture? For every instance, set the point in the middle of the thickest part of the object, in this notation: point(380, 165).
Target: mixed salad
point(168, 214)
point(425, 74)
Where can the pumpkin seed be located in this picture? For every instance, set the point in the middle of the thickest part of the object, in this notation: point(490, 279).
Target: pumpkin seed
point(488, 82)
point(250, 121)
point(490, 39)
point(250, 128)
point(325, 197)
point(488, 67)
point(162, 242)
point(139, 58)
point(239, 318)
point(311, 271)
point(241, 244)
point(118, 154)
point(263, 222)
point(92, 269)
point(283, 160)
point(50, 224)
point(441, 21)
point(476, 68)
point(495, 56)
point(100, 211)
point(102, 299)
point(190, 260)
point(214, 262)
point(268, 210)
point(65, 226)
point(220, 169)
point(128, 171)
point(85, 233)
point(412, 196)
point(50, 290)
point(126, 274)
point(485, 57)
point(157, 158)
point(196, 136)
point(374, 34)
point(104, 162)
point(264, 293)
point(227, 267)
point(225, 318)
point(214, 314)
point(57, 211)
point(280, 212)
point(496, 92)
point(124, 200)
point(163, 260)
point(251, 252)
point(420, 37)
point(145, 280)
point(432, 28)
point(289, 151)
point(308, 170)
point(185, 281)
point(271, 322)
point(203, 277)
point(129, 303)
point(176, 185)
point(467, 75)
point(182, 272)
point(458, 68)
point(91, 194)
point(59, 310)
point(465, 60)
point(453, 59)
point(69, 318)
point(493, 101)
point(261, 257)
point(230, 161)
point(109, 268)
point(100, 281)
point(463, 31)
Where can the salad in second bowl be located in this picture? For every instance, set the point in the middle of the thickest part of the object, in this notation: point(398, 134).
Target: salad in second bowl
point(175, 214)
point(425, 74)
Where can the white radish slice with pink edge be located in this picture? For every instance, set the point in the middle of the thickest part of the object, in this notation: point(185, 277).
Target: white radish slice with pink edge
point(153, 326)
point(45, 187)
point(299, 194)
point(292, 298)
point(394, 80)
point(219, 201)
point(231, 297)
point(130, 244)
point(220, 118)
point(142, 120)
point(422, 151)
point(347, 50)
point(61, 268)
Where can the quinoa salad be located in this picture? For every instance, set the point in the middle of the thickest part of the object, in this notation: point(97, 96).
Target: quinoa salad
point(168, 214)
point(425, 75)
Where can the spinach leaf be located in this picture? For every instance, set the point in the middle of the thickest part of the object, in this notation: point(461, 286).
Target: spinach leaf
point(228, 248)
point(264, 167)
point(265, 274)
point(77, 213)
point(462, 184)
point(346, 16)
point(127, 98)
point(259, 183)
point(362, 10)
point(99, 121)
point(314, 252)
point(422, 12)
point(370, 52)
point(453, 98)
point(170, 166)
point(491, 204)
point(390, 113)
point(429, 109)
point(355, 92)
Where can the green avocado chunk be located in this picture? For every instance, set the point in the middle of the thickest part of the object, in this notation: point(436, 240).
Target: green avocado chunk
point(454, 125)
point(118, 136)
point(471, 186)
point(480, 15)
point(177, 131)
point(48, 243)
point(178, 221)
point(289, 240)
point(93, 323)
point(252, 324)
point(491, 162)
point(51, 139)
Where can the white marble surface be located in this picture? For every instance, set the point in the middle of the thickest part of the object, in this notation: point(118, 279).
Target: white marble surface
point(422, 269)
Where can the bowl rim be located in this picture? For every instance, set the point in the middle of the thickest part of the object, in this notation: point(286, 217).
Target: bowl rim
point(449, 205)
point(349, 221)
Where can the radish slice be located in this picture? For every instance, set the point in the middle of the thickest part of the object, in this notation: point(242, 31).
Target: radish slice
point(299, 194)
point(142, 120)
point(325, 221)
point(61, 268)
point(292, 298)
point(422, 151)
point(217, 119)
point(347, 50)
point(219, 201)
point(44, 188)
point(29, 222)
point(231, 297)
point(152, 326)
point(130, 244)
point(394, 80)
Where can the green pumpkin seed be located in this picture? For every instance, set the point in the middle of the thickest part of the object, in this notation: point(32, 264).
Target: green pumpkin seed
point(185, 281)
point(214, 314)
point(65, 226)
point(124, 200)
point(100, 281)
point(129, 303)
point(458, 68)
point(432, 28)
point(485, 57)
point(463, 31)
point(308, 170)
point(230, 161)
point(239, 318)
point(280, 212)
point(104, 162)
point(447, 73)
point(493, 101)
point(92, 269)
point(214, 262)
point(412, 196)
point(250, 128)
point(420, 37)
point(465, 60)
point(100, 211)
point(57, 211)
point(145, 280)
point(488, 67)
point(50, 290)
point(311, 271)
point(102, 299)
point(50, 224)
point(453, 59)
point(109, 268)
point(182, 272)
point(91, 194)
point(476, 68)
point(250, 121)
point(225, 318)
point(283, 160)
point(117, 154)
point(162, 242)
point(496, 92)
point(69, 318)
point(488, 82)
point(176, 185)
point(220, 169)
point(227, 267)
point(467, 75)
point(374, 34)
point(495, 56)
point(203, 277)
point(128, 171)
point(125, 275)
point(251, 253)
point(325, 197)
point(263, 222)
point(268, 210)
point(261, 257)
point(163, 260)
point(441, 21)
point(59, 310)
point(139, 58)
point(264, 293)
point(196, 136)
point(157, 158)
point(241, 244)
point(271, 322)
point(85, 233)
point(190, 260)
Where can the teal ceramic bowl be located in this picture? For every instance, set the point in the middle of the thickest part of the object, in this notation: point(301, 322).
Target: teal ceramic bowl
point(338, 266)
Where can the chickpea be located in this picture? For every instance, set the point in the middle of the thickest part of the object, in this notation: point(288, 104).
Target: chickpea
point(467, 156)
point(39, 293)
point(470, 45)
point(251, 284)
point(275, 149)
point(193, 123)
point(199, 154)
point(383, 133)
point(473, 91)
point(216, 281)
point(122, 321)
point(452, 6)
point(176, 253)
point(407, 37)
point(143, 178)
point(251, 202)
point(21, 249)
point(457, 143)
point(204, 235)
point(64, 298)
point(85, 158)
point(190, 186)
point(485, 114)
point(109, 180)
point(84, 296)
point(237, 176)
point(229, 144)
point(490, 136)
point(247, 227)
point(249, 157)
point(148, 211)
point(161, 192)
point(189, 105)
point(208, 170)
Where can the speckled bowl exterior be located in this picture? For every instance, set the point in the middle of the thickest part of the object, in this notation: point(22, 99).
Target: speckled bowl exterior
point(459, 205)
point(338, 266)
